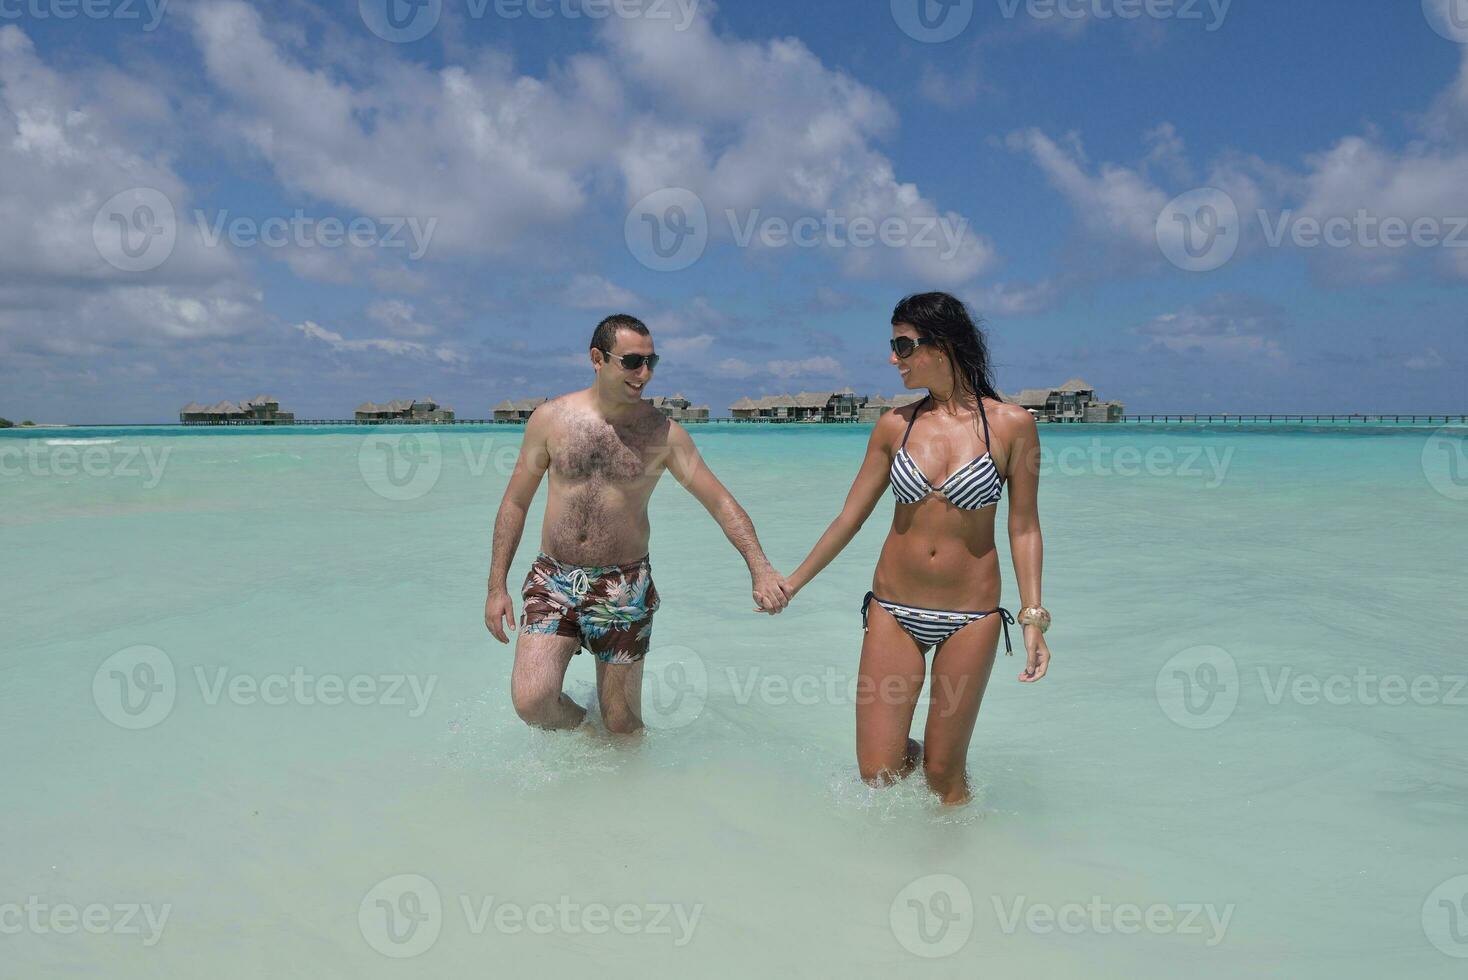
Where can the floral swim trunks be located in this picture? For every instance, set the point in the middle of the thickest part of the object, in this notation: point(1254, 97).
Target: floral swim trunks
point(608, 608)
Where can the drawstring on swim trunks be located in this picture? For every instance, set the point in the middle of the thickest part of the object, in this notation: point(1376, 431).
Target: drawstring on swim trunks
point(581, 580)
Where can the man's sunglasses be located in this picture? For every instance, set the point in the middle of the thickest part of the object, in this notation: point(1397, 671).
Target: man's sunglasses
point(905, 347)
point(631, 362)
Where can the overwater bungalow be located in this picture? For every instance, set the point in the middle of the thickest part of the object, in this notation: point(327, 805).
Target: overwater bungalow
point(260, 410)
point(518, 410)
point(1074, 401)
point(404, 410)
point(680, 409)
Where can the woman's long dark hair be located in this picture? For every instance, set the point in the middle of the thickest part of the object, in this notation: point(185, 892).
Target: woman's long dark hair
point(944, 318)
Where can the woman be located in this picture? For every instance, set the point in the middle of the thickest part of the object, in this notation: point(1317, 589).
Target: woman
point(937, 581)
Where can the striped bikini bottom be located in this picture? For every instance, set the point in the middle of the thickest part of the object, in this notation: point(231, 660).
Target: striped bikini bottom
point(929, 627)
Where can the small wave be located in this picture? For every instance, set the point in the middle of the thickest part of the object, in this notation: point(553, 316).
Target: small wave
point(908, 800)
point(81, 442)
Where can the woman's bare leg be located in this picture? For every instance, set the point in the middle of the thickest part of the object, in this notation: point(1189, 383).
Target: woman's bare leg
point(961, 667)
point(889, 682)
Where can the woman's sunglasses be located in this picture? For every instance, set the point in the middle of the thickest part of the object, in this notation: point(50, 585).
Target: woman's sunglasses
point(905, 347)
point(631, 362)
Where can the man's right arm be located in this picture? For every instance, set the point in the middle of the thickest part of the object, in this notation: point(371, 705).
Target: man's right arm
point(509, 523)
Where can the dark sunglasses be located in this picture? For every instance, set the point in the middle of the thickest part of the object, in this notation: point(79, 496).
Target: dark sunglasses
point(905, 347)
point(631, 362)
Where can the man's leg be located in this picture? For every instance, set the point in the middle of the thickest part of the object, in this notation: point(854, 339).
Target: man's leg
point(535, 685)
point(619, 691)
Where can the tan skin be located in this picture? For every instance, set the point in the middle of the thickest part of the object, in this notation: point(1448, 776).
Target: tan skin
point(939, 557)
point(605, 448)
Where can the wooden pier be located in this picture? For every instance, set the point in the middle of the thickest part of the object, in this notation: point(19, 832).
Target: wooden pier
point(1302, 419)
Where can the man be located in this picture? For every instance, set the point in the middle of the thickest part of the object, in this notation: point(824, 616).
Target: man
point(605, 449)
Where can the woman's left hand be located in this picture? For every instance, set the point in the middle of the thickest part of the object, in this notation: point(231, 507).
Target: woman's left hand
point(1039, 655)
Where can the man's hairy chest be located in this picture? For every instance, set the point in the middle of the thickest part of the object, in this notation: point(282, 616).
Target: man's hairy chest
point(591, 450)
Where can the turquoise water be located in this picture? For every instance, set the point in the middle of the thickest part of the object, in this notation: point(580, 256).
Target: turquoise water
point(254, 725)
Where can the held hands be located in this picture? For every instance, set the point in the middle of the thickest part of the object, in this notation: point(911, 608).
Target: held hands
point(1038, 655)
point(772, 593)
point(499, 612)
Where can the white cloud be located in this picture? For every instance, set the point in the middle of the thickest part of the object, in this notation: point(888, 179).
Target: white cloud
point(1353, 186)
point(489, 154)
point(1115, 203)
point(505, 161)
point(1425, 360)
point(1216, 331)
point(697, 314)
point(825, 367)
point(687, 345)
point(398, 318)
point(811, 367)
point(588, 292)
point(384, 345)
point(1015, 298)
point(68, 144)
point(1418, 183)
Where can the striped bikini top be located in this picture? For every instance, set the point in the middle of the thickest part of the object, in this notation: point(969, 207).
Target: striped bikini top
point(973, 486)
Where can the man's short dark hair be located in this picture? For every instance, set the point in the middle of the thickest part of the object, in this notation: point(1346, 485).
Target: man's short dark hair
point(606, 331)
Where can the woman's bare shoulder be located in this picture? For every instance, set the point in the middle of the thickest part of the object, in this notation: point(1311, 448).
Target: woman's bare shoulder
point(1009, 420)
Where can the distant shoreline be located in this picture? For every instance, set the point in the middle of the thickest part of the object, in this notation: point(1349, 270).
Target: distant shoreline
point(1187, 418)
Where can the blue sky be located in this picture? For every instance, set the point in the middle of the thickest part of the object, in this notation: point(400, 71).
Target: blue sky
point(177, 182)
